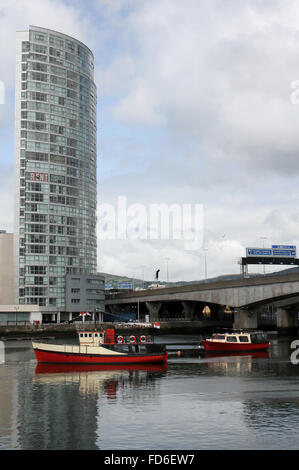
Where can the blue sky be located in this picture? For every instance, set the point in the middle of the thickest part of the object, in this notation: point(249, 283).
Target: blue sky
point(193, 108)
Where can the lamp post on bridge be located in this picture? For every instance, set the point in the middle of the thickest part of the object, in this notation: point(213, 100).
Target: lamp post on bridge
point(206, 267)
point(264, 238)
point(167, 259)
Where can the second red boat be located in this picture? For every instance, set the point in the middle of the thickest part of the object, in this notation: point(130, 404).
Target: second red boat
point(236, 341)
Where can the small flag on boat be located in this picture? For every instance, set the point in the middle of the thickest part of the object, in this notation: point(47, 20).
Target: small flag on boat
point(156, 325)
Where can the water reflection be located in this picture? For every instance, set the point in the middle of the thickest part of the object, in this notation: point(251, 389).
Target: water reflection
point(259, 354)
point(98, 379)
point(233, 363)
point(64, 402)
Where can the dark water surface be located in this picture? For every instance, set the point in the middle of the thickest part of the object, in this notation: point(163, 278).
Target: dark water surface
point(222, 402)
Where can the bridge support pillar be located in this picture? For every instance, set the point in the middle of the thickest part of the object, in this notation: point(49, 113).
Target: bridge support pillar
point(287, 321)
point(188, 309)
point(113, 309)
point(153, 310)
point(245, 319)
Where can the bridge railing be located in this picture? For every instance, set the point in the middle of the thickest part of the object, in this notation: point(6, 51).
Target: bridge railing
point(172, 318)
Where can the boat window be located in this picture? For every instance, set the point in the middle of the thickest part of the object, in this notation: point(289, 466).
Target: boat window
point(243, 339)
point(231, 339)
point(218, 337)
point(96, 335)
point(90, 335)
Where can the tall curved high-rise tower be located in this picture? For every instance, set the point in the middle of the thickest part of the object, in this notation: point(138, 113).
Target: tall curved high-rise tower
point(55, 166)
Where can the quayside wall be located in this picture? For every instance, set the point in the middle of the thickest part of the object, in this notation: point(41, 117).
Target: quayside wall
point(70, 330)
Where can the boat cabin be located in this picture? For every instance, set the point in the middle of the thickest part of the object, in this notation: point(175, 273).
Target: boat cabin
point(240, 337)
point(91, 338)
point(99, 338)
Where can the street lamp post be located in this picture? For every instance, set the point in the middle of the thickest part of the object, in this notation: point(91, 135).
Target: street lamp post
point(264, 238)
point(167, 259)
point(206, 267)
point(142, 267)
point(133, 280)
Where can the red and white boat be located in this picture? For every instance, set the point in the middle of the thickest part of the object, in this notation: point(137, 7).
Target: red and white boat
point(242, 341)
point(102, 347)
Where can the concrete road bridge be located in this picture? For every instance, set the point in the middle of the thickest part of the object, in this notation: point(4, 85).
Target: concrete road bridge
point(242, 298)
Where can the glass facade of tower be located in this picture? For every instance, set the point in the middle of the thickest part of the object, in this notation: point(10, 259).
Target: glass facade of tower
point(55, 165)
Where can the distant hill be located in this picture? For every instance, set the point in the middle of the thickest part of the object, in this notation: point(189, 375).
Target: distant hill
point(112, 281)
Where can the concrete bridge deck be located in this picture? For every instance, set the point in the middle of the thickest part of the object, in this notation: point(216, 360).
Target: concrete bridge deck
point(244, 296)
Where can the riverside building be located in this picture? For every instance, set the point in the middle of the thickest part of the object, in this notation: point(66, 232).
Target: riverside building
point(55, 173)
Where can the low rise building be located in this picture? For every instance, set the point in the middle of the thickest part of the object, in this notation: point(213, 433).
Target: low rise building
point(85, 293)
point(20, 315)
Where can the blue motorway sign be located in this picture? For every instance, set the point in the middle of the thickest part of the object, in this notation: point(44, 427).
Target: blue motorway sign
point(284, 253)
point(280, 251)
point(124, 285)
point(259, 252)
point(284, 247)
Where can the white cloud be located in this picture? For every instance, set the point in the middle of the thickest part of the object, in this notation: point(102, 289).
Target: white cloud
point(139, 106)
point(223, 80)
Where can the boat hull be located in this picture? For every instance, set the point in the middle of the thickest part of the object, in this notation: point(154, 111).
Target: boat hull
point(52, 357)
point(45, 368)
point(233, 347)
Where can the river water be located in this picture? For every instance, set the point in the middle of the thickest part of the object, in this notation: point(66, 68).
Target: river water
point(197, 402)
